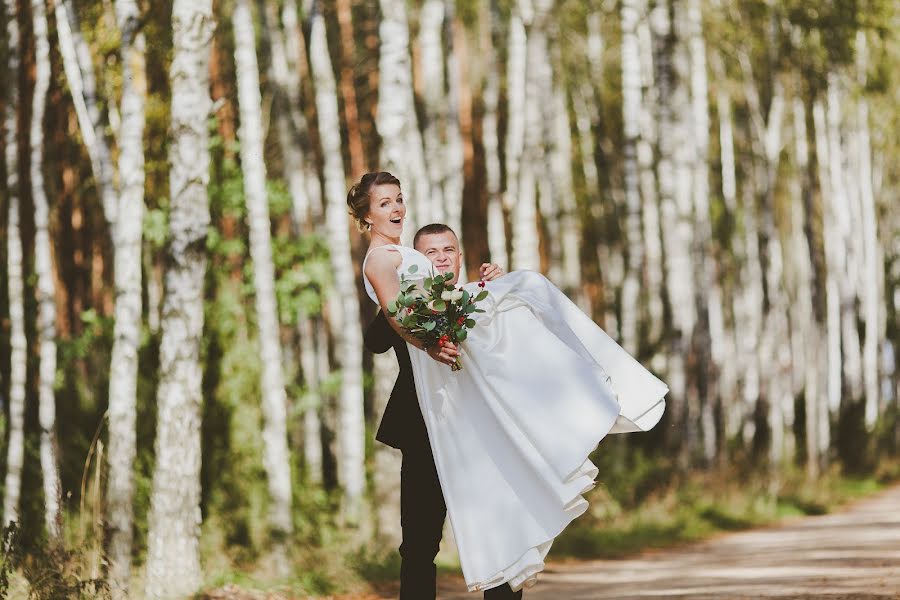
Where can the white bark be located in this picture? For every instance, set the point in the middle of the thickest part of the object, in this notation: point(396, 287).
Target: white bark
point(43, 267)
point(871, 288)
point(709, 293)
point(344, 303)
point(312, 425)
point(452, 186)
point(127, 240)
point(276, 458)
point(569, 231)
point(402, 150)
point(805, 332)
point(653, 257)
point(525, 253)
point(79, 70)
point(286, 53)
point(387, 460)
point(434, 96)
point(516, 73)
point(173, 558)
point(496, 228)
point(15, 451)
point(845, 254)
point(631, 114)
point(832, 257)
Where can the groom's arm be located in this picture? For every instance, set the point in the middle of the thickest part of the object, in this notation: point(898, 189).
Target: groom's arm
point(379, 336)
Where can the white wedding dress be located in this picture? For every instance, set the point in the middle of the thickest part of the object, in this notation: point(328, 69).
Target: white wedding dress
point(541, 385)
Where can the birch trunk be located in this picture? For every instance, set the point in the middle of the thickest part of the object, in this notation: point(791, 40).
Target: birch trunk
point(708, 342)
point(454, 158)
point(516, 75)
point(312, 425)
point(569, 236)
point(345, 303)
point(728, 376)
point(673, 176)
point(79, 72)
point(43, 267)
point(173, 558)
point(653, 258)
point(402, 151)
point(525, 253)
point(871, 288)
point(840, 203)
point(290, 121)
point(832, 257)
point(805, 332)
point(127, 240)
point(631, 113)
point(276, 458)
point(15, 450)
point(434, 97)
point(387, 459)
point(496, 227)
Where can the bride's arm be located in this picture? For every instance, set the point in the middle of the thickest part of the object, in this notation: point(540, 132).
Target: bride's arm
point(381, 270)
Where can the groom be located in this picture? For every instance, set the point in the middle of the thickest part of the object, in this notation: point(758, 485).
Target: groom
point(422, 508)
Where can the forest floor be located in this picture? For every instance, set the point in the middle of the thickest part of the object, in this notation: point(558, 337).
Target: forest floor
point(850, 554)
point(853, 553)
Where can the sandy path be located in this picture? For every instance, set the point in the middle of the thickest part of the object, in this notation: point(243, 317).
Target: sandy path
point(851, 554)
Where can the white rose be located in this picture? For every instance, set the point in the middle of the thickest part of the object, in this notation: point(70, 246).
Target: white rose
point(446, 294)
point(456, 295)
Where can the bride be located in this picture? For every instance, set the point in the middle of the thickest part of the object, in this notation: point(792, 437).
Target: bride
point(511, 432)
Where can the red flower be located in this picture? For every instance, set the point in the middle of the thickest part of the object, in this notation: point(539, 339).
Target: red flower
point(460, 320)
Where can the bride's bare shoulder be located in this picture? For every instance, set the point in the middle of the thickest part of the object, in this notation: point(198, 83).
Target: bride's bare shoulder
point(382, 258)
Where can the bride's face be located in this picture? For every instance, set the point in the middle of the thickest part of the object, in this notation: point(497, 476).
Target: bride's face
point(386, 210)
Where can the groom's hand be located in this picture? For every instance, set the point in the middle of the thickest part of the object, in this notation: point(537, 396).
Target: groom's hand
point(490, 271)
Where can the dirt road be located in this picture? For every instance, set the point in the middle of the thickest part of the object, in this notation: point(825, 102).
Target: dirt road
point(851, 554)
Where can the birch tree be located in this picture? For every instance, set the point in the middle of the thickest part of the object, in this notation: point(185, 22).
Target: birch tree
point(127, 236)
point(402, 150)
point(516, 75)
point(173, 558)
point(344, 302)
point(15, 450)
point(496, 226)
point(525, 253)
point(631, 112)
point(43, 266)
point(434, 96)
point(276, 458)
point(871, 288)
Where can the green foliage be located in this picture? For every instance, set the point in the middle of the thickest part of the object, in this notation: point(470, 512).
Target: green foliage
point(51, 570)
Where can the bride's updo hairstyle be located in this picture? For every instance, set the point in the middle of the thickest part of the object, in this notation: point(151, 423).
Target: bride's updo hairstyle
point(358, 197)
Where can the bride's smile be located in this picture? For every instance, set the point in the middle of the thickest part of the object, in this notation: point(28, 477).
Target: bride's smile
point(387, 211)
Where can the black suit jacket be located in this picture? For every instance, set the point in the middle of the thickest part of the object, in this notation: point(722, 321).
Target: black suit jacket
point(402, 425)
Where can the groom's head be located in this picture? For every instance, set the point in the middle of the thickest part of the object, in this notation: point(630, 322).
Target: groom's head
point(439, 243)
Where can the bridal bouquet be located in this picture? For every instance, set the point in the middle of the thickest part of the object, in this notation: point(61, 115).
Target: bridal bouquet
point(437, 312)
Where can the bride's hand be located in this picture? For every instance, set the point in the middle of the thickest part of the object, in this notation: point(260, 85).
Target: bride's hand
point(446, 353)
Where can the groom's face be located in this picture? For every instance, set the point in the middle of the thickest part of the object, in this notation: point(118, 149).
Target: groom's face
point(442, 249)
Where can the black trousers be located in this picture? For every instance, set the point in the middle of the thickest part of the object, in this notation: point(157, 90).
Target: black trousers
point(422, 514)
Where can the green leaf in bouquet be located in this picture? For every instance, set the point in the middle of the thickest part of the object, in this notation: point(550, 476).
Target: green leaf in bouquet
point(481, 295)
point(428, 325)
point(407, 285)
point(465, 298)
point(479, 310)
point(470, 323)
point(406, 300)
point(440, 305)
point(469, 308)
point(412, 268)
point(407, 321)
point(461, 335)
point(392, 307)
point(427, 283)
